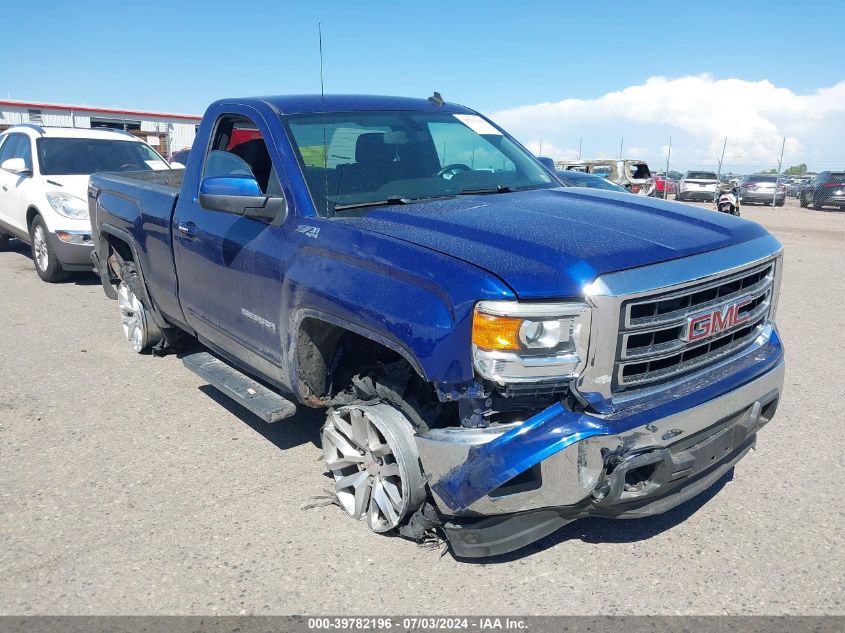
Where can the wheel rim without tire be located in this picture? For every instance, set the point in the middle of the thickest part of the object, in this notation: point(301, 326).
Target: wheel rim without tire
point(133, 318)
point(370, 483)
point(39, 247)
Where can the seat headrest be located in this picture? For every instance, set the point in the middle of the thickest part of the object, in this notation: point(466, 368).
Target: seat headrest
point(370, 148)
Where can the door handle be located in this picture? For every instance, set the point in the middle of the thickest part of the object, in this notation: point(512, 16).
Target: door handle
point(188, 229)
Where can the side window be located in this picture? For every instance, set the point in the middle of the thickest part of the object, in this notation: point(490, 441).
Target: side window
point(238, 149)
point(7, 150)
point(24, 150)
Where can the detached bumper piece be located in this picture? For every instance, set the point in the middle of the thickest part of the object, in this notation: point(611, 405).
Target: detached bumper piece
point(640, 484)
point(499, 489)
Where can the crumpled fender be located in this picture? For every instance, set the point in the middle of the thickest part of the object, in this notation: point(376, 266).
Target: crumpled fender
point(492, 464)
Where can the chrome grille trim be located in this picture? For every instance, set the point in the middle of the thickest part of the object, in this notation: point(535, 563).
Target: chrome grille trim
point(609, 294)
point(655, 361)
point(667, 349)
point(683, 367)
point(678, 316)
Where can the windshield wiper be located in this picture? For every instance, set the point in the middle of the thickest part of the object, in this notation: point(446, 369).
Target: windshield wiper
point(392, 200)
point(497, 189)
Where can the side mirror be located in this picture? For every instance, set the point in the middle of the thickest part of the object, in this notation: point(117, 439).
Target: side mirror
point(548, 163)
point(16, 166)
point(241, 195)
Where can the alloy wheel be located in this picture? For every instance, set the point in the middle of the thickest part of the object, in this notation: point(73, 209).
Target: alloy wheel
point(39, 244)
point(373, 463)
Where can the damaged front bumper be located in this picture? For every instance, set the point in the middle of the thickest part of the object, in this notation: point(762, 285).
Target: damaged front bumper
point(501, 488)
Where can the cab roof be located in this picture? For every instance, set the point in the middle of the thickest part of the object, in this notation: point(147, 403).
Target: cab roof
point(306, 104)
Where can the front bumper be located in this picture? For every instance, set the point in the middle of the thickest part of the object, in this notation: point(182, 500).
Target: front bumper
point(640, 461)
point(73, 256)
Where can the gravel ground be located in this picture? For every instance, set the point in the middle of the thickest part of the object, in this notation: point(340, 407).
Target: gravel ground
point(128, 486)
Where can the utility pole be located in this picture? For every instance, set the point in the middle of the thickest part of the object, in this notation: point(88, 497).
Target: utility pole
point(621, 143)
point(541, 148)
point(777, 176)
point(666, 175)
point(580, 140)
point(719, 171)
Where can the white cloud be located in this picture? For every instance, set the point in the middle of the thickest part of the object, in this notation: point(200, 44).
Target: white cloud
point(697, 112)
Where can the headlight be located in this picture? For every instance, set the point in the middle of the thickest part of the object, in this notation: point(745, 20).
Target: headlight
point(67, 205)
point(529, 342)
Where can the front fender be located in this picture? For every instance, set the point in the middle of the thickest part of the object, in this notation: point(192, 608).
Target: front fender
point(413, 300)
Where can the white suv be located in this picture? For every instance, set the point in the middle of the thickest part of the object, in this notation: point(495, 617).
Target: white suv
point(698, 185)
point(43, 189)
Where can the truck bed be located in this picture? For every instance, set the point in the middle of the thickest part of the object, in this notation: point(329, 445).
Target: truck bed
point(141, 204)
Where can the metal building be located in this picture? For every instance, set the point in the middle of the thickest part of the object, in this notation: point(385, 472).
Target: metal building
point(165, 132)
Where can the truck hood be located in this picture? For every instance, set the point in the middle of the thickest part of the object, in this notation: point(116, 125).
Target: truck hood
point(550, 243)
point(76, 185)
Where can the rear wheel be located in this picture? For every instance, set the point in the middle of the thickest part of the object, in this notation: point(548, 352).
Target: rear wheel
point(47, 265)
point(372, 455)
point(137, 323)
point(4, 241)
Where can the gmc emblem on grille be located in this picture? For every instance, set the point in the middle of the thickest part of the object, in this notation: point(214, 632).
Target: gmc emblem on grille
point(725, 317)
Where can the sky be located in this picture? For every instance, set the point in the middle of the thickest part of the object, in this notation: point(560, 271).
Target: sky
point(560, 74)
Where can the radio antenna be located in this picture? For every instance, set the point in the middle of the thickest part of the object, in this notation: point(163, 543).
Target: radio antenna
point(320, 35)
point(323, 109)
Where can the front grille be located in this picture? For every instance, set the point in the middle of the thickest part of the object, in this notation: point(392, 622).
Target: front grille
point(652, 348)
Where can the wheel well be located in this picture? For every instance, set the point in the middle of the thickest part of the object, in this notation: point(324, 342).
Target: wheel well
point(328, 356)
point(120, 247)
point(31, 212)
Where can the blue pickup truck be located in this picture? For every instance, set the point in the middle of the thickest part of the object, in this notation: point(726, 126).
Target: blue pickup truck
point(498, 355)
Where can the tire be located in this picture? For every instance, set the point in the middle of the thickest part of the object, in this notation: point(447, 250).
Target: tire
point(139, 328)
point(47, 265)
point(4, 241)
point(802, 201)
point(370, 451)
point(679, 197)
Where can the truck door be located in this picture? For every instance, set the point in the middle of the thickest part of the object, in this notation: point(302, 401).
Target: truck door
point(230, 267)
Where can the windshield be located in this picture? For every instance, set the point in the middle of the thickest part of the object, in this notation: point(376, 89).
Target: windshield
point(369, 158)
point(82, 156)
point(700, 175)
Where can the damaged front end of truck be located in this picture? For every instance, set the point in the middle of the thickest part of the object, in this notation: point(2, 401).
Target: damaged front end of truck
point(655, 385)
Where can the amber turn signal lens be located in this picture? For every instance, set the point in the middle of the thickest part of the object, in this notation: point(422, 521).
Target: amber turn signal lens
point(493, 332)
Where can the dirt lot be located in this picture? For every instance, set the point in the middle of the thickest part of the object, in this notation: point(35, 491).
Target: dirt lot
point(127, 486)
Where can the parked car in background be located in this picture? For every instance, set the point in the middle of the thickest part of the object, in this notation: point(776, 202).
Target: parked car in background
point(634, 175)
point(794, 186)
point(43, 189)
point(698, 185)
point(828, 189)
point(762, 189)
point(664, 187)
point(591, 181)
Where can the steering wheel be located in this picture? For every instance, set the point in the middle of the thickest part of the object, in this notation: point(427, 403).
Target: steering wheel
point(127, 167)
point(451, 170)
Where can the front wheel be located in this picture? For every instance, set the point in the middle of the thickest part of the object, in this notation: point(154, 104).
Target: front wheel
point(137, 323)
point(47, 265)
point(372, 455)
